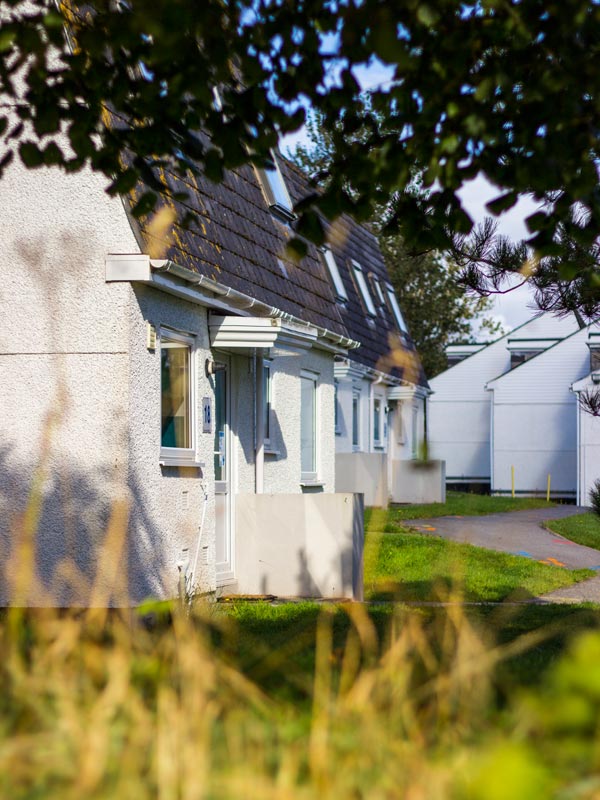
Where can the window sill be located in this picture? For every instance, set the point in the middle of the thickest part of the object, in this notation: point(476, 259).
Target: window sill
point(165, 461)
point(269, 451)
point(312, 484)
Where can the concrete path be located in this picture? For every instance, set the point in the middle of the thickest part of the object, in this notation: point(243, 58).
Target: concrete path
point(521, 533)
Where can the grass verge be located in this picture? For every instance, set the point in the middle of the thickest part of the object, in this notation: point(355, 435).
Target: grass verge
point(416, 567)
point(581, 528)
point(463, 504)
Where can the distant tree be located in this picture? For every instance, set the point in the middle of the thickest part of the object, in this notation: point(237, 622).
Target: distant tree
point(437, 308)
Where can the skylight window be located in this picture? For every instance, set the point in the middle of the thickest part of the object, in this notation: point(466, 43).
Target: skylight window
point(334, 274)
point(378, 291)
point(395, 309)
point(361, 282)
point(275, 190)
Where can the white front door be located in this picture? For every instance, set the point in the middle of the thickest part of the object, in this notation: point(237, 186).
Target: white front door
point(222, 463)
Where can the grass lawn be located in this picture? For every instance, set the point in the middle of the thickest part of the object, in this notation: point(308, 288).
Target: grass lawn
point(418, 567)
point(581, 528)
point(461, 504)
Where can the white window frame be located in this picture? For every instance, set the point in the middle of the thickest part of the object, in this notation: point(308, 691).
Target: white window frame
point(267, 400)
point(395, 309)
point(361, 282)
point(181, 456)
point(334, 274)
point(275, 190)
point(378, 429)
point(356, 396)
point(312, 476)
point(415, 430)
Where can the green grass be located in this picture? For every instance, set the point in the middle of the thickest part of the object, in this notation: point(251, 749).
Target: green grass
point(461, 504)
point(581, 528)
point(414, 567)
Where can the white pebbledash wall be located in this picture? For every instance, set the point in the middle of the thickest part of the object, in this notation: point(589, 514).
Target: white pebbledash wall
point(63, 352)
point(534, 420)
point(459, 411)
point(80, 396)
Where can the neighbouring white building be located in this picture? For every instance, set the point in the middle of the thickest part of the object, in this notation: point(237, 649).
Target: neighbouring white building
point(588, 424)
point(534, 421)
point(485, 407)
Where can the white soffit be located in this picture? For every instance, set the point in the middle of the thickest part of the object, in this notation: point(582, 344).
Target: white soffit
point(531, 345)
point(243, 333)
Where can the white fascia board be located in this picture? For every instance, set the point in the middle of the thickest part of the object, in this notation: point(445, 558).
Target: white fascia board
point(407, 392)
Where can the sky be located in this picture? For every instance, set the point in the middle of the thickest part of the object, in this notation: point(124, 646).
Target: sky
point(513, 308)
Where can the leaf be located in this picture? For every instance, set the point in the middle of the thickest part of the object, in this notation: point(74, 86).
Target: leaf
point(535, 222)
point(145, 204)
point(3, 124)
point(5, 160)
point(7, 37)
point(31, 155)
point(502, 203)
point(427, 15)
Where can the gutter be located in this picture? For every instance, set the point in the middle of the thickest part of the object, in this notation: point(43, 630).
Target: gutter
point(244, 302)
point(141, 268)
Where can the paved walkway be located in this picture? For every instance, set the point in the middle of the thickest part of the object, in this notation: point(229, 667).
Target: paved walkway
point(521, 533)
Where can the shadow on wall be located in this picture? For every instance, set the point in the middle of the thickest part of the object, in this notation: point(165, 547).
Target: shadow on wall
point(65, 540)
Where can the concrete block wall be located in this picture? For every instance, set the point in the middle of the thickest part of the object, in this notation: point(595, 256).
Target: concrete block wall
point(300, 545)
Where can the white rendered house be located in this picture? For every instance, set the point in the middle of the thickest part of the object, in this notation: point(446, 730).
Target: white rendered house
point(534, 421)
point(177, 392)
point(460, 408)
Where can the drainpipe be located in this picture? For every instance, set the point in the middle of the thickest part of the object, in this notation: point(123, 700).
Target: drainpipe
point(259, 460)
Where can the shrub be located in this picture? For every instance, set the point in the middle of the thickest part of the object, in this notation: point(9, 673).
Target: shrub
point(595, 497)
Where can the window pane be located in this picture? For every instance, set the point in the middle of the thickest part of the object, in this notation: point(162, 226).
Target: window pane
point(175, 394)
point(364, 290)
point(308, 426)
point(377, 420)
point(396, 310)
point(334, 274)
point(267, 400)
point(355, 419)
point(220, 423)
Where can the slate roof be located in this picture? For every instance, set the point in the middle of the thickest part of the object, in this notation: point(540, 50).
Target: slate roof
point(383, 345)
point(238, 242)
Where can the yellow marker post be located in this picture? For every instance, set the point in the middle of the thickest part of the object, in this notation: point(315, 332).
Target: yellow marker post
point(512, 480)
point(548, 490)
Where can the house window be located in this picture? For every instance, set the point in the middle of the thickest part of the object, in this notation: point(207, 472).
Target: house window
point(378, 436)
point(336, 406)
point(267, 395)
point(276, 193)
point(415, 431)
point(395, 309)
point(361, 282)
point(308, 426)
point(356, 420)
point(334, 274)
point(177, 425)
point(377, 290)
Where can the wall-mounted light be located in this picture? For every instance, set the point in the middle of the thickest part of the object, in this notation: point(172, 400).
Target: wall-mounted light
point(213, 367)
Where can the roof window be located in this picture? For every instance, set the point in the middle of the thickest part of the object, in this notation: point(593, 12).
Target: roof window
point(395, 309)
point(361, 282)
point(334, 274)
point(275, 190)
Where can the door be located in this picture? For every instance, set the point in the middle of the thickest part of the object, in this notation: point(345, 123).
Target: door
point(222, 464)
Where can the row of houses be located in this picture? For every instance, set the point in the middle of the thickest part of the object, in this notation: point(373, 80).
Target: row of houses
point(506, 416)
point(212, 403)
